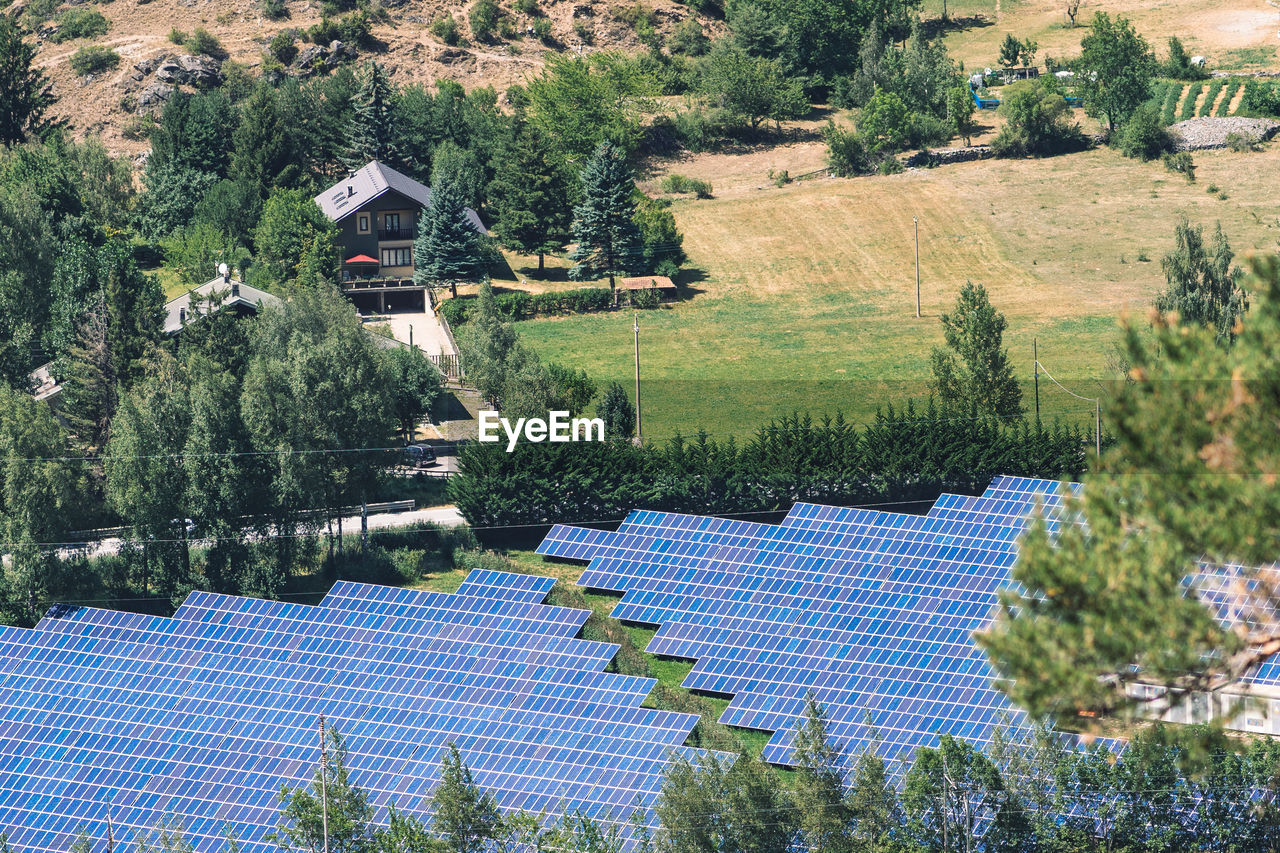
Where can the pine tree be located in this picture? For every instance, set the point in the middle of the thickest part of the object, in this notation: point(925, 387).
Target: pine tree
point(531, 196)
point(24, 89)
point(604, 226)
point(448, 248)
point(135, 310)
point(371, 133)
point(976, 372)
point(616, 411)
point(1203, 289)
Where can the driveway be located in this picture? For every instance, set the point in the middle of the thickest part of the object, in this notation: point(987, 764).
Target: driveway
point(427, 333)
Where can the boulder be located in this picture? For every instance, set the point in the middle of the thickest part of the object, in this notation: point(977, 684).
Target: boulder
point(154, 95)
point(452, 55)
point(340, 51)
point(311, 58)
point(202, 71)
point(171, 72)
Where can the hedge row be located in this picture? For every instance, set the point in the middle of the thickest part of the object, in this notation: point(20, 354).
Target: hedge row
point(522, 306)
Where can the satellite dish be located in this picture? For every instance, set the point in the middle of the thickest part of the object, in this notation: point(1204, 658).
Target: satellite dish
point(222, 269)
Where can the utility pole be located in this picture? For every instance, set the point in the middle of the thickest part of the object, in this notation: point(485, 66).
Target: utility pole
point(639, 432)
point(324, 788)
point(1035, 358)
point(111, 839)
point(915, 220)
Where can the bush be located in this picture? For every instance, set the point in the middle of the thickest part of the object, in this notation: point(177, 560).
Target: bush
point(528, 7)
point(1168, 110)
point(846, 154)
point(274, 9)
point(647, 298)
point(682, 184)
point(203, 42)
point(689, 39)
point(1178, 65)
point(928, 130)
point(446, 29)
point(1181, 163)
point(1143, 137)
point(1260, 99)
point(483, 19)
point(542, 31)
point(353, 28)
point(1242, 143)
point(93, 58)
point(1036, 122)
point(177, 36)
point(80, 23)
point(519, 305)
point(282, 47)
point(1189, 102)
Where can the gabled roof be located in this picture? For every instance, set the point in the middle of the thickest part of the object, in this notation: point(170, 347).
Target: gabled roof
point(246, 296)
point(371, 181)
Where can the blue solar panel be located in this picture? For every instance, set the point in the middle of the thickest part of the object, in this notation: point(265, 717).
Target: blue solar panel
point(204, 716)
point(872, 612)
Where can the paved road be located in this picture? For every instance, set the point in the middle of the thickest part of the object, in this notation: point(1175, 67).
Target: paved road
point(445, 516)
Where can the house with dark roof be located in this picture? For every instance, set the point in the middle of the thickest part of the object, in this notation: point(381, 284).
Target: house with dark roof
point(224, 293)
point(377, 209)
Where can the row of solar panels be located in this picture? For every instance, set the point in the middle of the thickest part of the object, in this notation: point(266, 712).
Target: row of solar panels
point(204, 716)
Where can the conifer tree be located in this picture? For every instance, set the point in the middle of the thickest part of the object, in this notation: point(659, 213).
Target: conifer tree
point(371, 133)
point(1204, 289)
point(135, 310)
point(448, 249)
point(24, 89)
point(604, 226)
point(616, 411)
point(531, 197)
point(974, 370)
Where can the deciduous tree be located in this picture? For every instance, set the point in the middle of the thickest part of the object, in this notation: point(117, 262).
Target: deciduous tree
point(332, 802)
point(464, 816)
point(1116, 67)
point(1203, 287)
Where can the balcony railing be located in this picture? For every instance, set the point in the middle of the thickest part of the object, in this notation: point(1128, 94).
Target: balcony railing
point(395, 234)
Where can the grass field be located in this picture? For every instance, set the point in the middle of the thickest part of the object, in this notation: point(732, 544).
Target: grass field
point(806, 293)
point(1233, 34)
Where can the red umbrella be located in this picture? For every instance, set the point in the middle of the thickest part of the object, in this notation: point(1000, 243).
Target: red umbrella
point(360, 259)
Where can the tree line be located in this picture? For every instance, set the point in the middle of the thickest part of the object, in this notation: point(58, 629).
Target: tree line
point(1028, 792)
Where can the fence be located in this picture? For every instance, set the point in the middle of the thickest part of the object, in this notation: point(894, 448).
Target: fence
point(448, 364)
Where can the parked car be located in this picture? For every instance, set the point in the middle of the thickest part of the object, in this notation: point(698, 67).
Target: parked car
point(420, 456)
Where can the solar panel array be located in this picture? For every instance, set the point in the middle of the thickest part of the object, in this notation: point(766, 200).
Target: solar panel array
point(873, 612)
point(203, 716)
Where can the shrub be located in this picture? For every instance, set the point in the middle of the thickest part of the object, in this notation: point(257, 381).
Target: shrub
point(282, 47)
point(1168, 110)
point(846, 154)
point(483, 19)
point(682, 184)
point(177, 36)
point(353, 28)
point(1224, 106)
point(646, 298)
point(80, 23)
point(542, 31)
point(528, 7)
point(1178, 65)
point(885, 123)
point(1260, 99)
point(93, 58)
point(1211, 95)
point(1189, 102)
point(522, 306)
point(204, 42)
point(1143, 137)
point(689, 39)
point(1242, 142)
point(1036, 122)
point(1181, 163)
point(928, 130)
point(333, 8)
point(274, 9)
point(446, 29)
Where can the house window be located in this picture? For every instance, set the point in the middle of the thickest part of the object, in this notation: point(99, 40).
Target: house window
point(391, 221)
point(362, 223)
point(402, 257)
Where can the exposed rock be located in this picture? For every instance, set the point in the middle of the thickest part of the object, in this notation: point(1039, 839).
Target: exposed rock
point(171, 72)
point(274, 77)
point(584, 10)
point(312, 58)
point(202, 71)
point(453, 56)
point(146, 66)
point(340, 51)
point(154, 95)
point(1211, 132)
point(943, 156)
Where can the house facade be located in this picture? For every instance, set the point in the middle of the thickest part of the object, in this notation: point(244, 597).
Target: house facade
point(377, 210)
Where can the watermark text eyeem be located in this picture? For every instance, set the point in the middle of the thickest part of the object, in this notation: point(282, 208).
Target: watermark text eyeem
point(557, 426)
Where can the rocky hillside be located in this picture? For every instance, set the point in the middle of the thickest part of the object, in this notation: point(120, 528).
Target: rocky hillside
point(108, 103)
